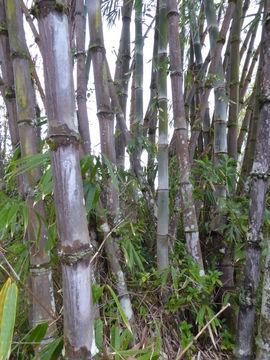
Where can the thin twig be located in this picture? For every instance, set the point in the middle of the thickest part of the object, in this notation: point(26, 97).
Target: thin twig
point(202, 330)
point(26, 287)
point(106, 237)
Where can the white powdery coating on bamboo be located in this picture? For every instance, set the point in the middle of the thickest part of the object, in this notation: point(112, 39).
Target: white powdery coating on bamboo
point(61, 49)
point(51, 292)
point(94, 349)
point(105, 227)
point(192, 241)
point(125, 301)
point(202, 273)
point(126, 305)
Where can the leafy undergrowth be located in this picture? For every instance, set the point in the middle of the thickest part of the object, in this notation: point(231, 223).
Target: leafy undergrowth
point(170, 307)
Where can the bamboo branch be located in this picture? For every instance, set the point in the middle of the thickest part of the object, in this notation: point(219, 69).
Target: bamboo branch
point(180, 356)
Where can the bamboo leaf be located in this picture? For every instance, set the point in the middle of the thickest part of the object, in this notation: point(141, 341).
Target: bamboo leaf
point(112, 174)
point(99, 333)
point(8, 320)
point(3, 296)
point(125, 339)
point(53, 350)
point(37, 334)
point(121, 310)
point(175, 281)
point(25, 218)
point(115, 340)
point(12, 212)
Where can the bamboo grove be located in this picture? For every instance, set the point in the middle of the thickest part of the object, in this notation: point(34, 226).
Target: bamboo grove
point(156, 245)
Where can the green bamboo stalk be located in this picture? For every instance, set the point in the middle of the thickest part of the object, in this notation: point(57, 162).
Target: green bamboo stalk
point(40, 271)
point(163, 181)
point(8, 92)
point(234, 81)
point(138, 73)
point(150, 119)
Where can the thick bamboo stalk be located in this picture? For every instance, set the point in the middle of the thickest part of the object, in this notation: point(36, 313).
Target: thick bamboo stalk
point(263, 338)
point(259, 175)
point(63, 138)
point(41, 277)
point(181, 135)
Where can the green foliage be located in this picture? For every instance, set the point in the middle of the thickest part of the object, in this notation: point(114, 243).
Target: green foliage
point(233, 208)
point(8, 303)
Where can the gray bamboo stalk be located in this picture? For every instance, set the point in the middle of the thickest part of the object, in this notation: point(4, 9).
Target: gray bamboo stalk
point(263, 338)
point(163, 181)
point(135, 162)
point(220, 114)
point(106, 125)
point(199, 61)
point(181, 135)
point(249, 33)
point(63, 138)
point(213, 69)
point(30, 22)
point(245, 123)
point(250, 50)
point(251, 140)
point(40, 271)
point(247, 80)
point(138, 73)
point(121, 77)
point(81, 70)
point(234, 81)
point(259, 175)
